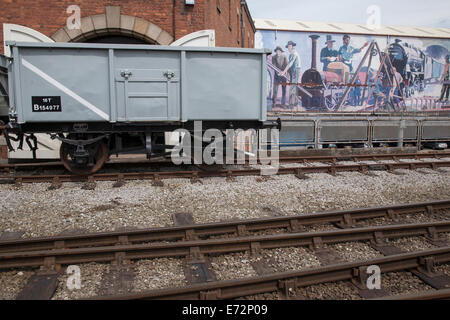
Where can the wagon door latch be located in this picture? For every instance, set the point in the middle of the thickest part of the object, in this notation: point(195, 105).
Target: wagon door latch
point(169, 74)
point(126, 74)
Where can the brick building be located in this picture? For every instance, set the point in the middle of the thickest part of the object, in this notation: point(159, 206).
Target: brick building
point(133, 21)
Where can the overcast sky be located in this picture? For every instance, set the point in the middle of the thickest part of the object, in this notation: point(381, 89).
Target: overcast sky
point(421, 13)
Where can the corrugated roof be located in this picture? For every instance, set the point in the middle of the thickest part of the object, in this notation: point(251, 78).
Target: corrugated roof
point(338, 27)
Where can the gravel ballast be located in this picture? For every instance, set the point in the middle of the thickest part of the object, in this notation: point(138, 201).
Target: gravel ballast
point(12, 282)
point(37, 211)
point(232, 266)
point(41, 212)
point(402, 283)
point(158, 273)
point(91, 279)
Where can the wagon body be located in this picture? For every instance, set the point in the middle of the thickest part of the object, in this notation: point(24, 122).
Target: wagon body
point(4, 107)
point(68, 82)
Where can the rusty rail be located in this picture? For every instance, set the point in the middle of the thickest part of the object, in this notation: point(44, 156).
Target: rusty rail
point(332, 169)
point(196, 248)
point(343, 218)
point(281, 281)
point(282, 159)
point(443, 294)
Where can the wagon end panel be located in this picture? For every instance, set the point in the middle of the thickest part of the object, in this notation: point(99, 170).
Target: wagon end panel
point(4, 92)
point(224, 86)
point(61, 84)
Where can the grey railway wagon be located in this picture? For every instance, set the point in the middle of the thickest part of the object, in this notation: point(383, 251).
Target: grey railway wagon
point(102, 99)
point(4, 108)
point(56, 82)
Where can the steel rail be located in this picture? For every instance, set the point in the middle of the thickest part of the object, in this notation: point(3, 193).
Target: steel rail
point(239, 288)
point(443, 294)
point(345, 218)
point(282, 159)
point(221, 246)
point(362, 157)
point(333, 168)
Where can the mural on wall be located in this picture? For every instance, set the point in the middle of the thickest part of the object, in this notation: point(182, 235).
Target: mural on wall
point(354, 73)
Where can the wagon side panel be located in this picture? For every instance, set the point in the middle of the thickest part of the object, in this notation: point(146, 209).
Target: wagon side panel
point(223, 86)
point(63, 85)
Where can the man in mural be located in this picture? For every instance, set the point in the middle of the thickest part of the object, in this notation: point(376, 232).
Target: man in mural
point(346, 52)
point(445, 80)
point(328, 54)
point(280, 61)
point(294, 72)
point(398, 87)
point(377, 84)
point(355, 93)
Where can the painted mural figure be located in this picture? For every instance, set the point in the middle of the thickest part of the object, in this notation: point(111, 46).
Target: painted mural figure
point(280, 61)
point(398, 87)
point(294, 72)
point(328, 54)
point(417, 76)
point(445, 80)
point(355, 93)
point(346, 51)
point(375, 82)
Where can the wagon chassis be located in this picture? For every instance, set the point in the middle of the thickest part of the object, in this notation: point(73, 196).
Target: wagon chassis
point(87, 146)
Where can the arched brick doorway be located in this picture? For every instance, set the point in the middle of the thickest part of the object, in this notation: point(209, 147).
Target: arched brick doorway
point(114, 27)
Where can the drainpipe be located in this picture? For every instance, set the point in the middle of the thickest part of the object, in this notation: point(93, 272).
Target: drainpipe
point(242, 23)
point(174, 19)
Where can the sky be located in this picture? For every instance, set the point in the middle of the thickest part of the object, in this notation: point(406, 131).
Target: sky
point(420, 13)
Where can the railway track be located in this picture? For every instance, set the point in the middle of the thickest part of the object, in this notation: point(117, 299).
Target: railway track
point(296, 223)
point(153, 243)
point(194, 175)
point(282, 159)
point(192, 243)
point(289, 282)
point(443, 294)
point(195, 249)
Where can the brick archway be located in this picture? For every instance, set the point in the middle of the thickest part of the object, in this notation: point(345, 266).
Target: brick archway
point(112, 22)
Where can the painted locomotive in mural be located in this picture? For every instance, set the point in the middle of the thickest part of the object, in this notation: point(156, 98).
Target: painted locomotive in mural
point(417, 68)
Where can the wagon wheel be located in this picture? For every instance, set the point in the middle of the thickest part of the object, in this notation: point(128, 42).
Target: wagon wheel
point(100, 157)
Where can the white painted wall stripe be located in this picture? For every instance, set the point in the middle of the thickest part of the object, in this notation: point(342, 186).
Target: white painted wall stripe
point(66, 90)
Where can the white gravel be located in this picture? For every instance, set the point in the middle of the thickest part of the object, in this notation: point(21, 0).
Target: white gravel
point(158, 273)
point(91, 279)
point(290, 259)
point(402, 283)
point(354, 251)
point(411, 244)
point(444, 268)
point(39, 212)
point(232, 266)
point(330, 291)
point(12, 282)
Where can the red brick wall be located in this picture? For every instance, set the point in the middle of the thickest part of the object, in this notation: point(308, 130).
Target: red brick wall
point(48, 16)
point(229, 16)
